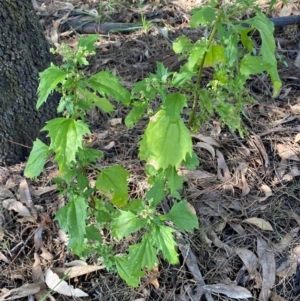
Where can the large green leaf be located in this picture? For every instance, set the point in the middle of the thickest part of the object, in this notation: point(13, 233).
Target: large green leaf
point(267, 50)
point(182, 44)
point(37, 159)
point(106, 83)
point(205, 15)
point(125, 270)
point(126, 223)
point(142, 255)
point(100, 102)
point(182, 217)
point(166, 140)
point(49, 79)
point(66, 138)
point(253, 64)
point(88, 41)
point(163, 238)
point(72, 218)
point(112, 182)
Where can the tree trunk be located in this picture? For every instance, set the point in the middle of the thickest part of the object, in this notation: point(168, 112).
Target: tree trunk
point(24, 52)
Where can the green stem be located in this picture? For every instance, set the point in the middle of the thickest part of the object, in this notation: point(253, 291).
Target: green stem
point(200, 71)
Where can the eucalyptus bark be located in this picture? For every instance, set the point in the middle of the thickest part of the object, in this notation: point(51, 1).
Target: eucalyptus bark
point(24, 52)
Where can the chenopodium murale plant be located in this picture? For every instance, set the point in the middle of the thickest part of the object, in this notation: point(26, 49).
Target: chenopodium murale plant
point(104, 208)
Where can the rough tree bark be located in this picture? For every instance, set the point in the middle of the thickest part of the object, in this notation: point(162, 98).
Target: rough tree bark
point(24, 52)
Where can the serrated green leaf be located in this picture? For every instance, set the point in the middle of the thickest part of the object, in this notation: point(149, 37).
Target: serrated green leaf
point(126, 223)
point(166, 140)
point(106, 83)
point(100, 102)
point(135, 206)
point(37, 159)
point(195, 57)
point(181, 78)
point(202, 16)
point(182, 45)
point(137, 111)
point(214, 56)
point(253, 65)
point(157, 191)
point(267, 50)
point(163, 238)
point(191, 162)
point(112, 182)
point(206, 100)
point(142, 88)
point(175, 182)
point(93, 233)
point(66, 138)
point(88, 155)
point(49, 79)
point(82, 181)
point(72, 218)
point(88, 42)
point(162, 72)
point(125, 270)
point(182, 217)
point(142, 255)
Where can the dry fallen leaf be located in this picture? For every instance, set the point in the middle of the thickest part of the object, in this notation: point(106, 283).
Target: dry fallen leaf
point(267, 261)
point(13, 204)
point(206, 139)
point(3, 258)
point(206, 146)
point(76, 271)
point(60, 286)
point(235, 292)
point(297, 138)
point(249, 259)
point(285, 152)
point(21, 292)
point(223, 170)
point(259, 222)
point(190, 175)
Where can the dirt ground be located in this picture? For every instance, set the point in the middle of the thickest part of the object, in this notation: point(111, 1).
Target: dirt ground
point(246, 192)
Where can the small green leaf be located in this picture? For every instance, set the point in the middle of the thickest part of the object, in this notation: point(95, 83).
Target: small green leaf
point(175, 182)
point(37, 159)
point(162, 72)
point(72, 218)
point(206, 100)
point(134, 206)
point(88, 155)
point(182, 45)
point(191, 162)
point(49, 79)
point(106, 83)
point(163, 238)
point(142, 255)
point(82, 181)
point(112, 182)
point(88, 42)
point(126, 223)
point(125, 270)
point(157, 191)
point(93, 233)
point(202, 16)
point(66, 138)
point(182, 217)
point(137, 111)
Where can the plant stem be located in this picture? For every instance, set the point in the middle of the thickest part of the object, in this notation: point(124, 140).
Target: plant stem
point(200, 71)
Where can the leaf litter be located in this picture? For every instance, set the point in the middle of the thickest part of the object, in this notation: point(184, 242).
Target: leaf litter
point(245, 192)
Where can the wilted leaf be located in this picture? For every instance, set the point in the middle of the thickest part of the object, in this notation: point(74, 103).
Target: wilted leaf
point(235, 292)
point(249, 260)
point(3, 258)
point(259, 222)
point(60, 286)
point(37, 272)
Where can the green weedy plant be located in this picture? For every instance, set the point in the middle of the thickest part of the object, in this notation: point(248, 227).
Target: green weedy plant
point(105, 205)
